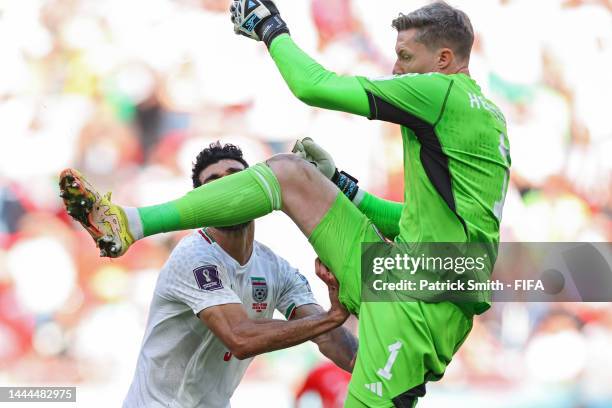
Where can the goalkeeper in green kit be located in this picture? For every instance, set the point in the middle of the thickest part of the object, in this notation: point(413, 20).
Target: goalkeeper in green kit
point(456, 163)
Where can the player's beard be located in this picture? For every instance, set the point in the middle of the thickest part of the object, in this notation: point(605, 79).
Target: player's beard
point(238, 228)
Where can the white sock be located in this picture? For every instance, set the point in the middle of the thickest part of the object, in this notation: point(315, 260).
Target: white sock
point(359, 196)
point(134, 222)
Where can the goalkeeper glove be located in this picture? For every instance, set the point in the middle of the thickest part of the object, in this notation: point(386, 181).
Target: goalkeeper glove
point(308, 150)
point(257, 19)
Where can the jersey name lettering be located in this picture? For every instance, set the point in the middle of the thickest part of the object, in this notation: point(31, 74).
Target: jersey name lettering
point(480, 102)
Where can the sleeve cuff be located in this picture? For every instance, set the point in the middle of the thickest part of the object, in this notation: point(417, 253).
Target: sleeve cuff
point(276, 41)
point(199, 308)
point(297, 303)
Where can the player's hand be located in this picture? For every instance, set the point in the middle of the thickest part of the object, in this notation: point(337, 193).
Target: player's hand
point(257, 19)
point(337, 311)
point(308, 150)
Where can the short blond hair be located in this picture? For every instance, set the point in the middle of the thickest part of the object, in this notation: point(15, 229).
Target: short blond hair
point(439, 25)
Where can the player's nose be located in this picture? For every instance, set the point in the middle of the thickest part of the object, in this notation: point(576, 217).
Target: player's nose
point(396, 68)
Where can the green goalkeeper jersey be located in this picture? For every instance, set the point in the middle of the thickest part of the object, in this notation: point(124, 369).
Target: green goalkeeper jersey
point(456, 152)
point(456, 155)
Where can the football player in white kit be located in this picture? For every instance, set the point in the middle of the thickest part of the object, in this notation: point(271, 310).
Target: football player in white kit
point(212, 310)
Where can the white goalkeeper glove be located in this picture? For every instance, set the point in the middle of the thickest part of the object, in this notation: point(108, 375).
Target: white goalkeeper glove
point(257, 19)
point(308, 150)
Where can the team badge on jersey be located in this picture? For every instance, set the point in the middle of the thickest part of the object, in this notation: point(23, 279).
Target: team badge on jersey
point(259, 293)
point(207, 278)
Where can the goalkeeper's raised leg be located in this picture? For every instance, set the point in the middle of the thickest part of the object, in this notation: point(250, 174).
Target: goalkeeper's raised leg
point(285, 182)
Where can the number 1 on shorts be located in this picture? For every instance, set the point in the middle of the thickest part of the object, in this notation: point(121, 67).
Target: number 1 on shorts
point(394, 350)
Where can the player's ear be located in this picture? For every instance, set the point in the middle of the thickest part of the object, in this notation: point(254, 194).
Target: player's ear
point(445, 58)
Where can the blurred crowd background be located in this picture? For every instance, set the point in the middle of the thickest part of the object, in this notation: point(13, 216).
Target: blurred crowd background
point(129, 91)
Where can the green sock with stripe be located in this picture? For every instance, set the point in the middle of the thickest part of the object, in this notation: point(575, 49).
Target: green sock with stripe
point(233, 199)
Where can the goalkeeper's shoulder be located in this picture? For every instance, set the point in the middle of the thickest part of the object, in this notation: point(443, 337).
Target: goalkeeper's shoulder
point(433, 80)
point(419, 94)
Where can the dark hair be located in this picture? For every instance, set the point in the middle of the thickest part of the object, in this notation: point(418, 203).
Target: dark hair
point(214, 153)
point(439, 25)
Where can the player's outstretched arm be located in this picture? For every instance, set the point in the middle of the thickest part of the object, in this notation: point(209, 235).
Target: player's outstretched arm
point(339, 345)
point(246, 338)
point(314, 85)
point(307, 79)
point(384, 214)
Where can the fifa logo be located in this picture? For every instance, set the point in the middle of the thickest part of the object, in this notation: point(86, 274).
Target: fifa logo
point(207, 277)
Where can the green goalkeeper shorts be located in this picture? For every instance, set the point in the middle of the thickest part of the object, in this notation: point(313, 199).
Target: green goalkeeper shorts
point(402, 345)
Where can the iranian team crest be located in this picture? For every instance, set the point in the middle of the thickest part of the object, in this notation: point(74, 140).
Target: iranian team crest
point(260, 293)
point(260, 289)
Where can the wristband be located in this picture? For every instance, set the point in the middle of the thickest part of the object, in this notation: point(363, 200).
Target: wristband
point(271, 28)
point(346, 183)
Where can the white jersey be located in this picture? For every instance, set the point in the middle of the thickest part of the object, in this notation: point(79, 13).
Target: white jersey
point(181, 362)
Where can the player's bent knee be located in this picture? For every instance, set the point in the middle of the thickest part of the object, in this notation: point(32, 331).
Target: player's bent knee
point(290, 169)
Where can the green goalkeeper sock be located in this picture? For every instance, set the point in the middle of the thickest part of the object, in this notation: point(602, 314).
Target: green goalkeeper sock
point(232, 200)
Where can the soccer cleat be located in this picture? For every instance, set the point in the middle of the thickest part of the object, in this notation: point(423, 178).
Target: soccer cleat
point(106, 222)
